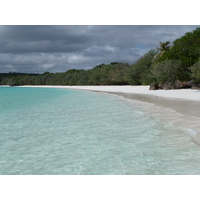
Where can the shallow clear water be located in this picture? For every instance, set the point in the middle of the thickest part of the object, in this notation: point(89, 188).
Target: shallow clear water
point(60, 131)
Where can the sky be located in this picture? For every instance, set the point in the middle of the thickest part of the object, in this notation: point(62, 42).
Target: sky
point(58, 48)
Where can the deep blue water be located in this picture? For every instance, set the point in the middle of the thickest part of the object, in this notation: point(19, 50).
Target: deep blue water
point(61, 131)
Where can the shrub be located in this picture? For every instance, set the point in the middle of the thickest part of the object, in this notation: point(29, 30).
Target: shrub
point(167, 70)
point(196, 70)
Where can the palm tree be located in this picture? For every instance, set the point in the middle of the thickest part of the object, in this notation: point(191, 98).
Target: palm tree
point(164, 46)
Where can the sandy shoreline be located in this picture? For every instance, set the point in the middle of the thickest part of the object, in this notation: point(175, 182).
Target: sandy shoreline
point(182, 94)
point(184, 101)
point(179, 107)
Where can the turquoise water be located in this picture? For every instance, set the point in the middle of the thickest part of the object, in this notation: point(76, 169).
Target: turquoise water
point(60, 131)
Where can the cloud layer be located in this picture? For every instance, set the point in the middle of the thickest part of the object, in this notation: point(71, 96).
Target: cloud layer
point(60, 48)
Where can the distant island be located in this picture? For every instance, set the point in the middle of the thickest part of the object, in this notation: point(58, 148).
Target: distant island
point(168, 66)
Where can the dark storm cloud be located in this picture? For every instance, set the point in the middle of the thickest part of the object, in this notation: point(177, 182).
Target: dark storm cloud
point(29, 39)
point(59, 48)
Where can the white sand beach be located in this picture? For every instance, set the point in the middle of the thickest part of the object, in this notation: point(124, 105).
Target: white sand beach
point(184, 101)
point(185, 94)
point(181, 94)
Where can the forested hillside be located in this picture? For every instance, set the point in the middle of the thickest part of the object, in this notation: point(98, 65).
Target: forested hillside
point(111, 74)
point(166, 63)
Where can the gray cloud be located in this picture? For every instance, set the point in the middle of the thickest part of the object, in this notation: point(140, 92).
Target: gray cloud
point(59, 48)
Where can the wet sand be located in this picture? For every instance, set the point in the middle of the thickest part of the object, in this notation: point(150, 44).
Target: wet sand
point(185, 101)
point(185, 107)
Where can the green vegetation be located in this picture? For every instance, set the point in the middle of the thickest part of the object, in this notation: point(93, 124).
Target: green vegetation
point(196, 70)
point(164, 47)
point(110, 74)
point(180, 61)
point(167, 70)
point(140, 72)
point(187, 50)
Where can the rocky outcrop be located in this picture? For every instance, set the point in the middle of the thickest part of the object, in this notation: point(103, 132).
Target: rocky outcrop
point(174, 85)
point(193, 84)
point(168, 85)
point(154, 86)
point(181, 85)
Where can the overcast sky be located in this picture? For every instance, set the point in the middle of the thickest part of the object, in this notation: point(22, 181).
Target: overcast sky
point(60, 48)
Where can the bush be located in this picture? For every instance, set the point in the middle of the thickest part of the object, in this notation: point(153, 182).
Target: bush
point(167, 70)
point(139, 72)
point(187, 50)
point(196, 70)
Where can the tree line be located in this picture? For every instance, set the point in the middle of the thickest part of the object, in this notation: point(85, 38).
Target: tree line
point(178, 61)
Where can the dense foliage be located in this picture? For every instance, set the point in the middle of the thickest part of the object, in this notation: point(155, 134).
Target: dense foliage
point(140, 72)
point(167, 70)
point(111, 74)
point(187, 50)
point(180, 61)
point(196, 70)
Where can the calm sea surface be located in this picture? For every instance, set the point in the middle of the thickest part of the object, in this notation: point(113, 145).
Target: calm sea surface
point(61, 131)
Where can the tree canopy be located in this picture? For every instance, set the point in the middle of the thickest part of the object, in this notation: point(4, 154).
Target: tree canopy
point(187, 50)
point(179, 61)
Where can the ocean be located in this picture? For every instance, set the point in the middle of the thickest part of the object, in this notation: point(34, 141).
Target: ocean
point(54, 131)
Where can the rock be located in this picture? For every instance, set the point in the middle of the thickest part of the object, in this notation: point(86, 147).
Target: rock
point(190, 83)
point(154, 86)
point(181, 85)
point(193, 84)
point(166, 85)
point(174, 85)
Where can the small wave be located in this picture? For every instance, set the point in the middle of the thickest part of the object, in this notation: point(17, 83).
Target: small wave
point(194, 136)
